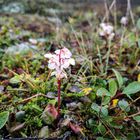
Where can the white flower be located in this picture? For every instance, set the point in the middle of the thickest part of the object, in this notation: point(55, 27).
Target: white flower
point(71, 61)
point(59, 61)
point(106, 30)
point(124, 21)
point(65, 53)
point(33, 41)
point(111, 36)
point(48, 55)
point(59, 74)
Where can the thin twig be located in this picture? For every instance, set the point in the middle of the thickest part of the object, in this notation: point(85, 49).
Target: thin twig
point(133, 115)
point(129, 11)
point(115, 14)
point(30, 98)
point(106, 10)
point(111, 6)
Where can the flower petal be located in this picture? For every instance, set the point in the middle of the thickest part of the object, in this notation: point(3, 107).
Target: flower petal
point(49, 55)
point(53, 73)
point(51, 66)
point(72, 61)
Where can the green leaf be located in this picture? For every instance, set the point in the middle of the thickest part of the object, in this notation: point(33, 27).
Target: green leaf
point(101, 128)
point(3, 118)
point(138, 24)
point(104, 111)
point(137, 118)
point(124, 105)
point(95, 107)
point(53, 102)
point(103, 92)
point(36, 108)
point(108, 119)
point(100, 138)
point(131, 136)
point(106, 100)
point(132, 88)
point(119, 78)
point(15, 79)
point(115, 125)
point(113, 87)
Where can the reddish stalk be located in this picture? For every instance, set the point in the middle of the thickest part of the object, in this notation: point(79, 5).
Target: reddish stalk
point(59, 93)
point(59, 86)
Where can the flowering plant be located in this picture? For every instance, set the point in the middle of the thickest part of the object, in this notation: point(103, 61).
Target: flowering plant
point(106, 30)
point(60, 60)
point(124, 21)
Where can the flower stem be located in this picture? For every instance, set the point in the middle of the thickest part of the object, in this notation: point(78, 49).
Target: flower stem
point(59, 93)
point(108, 55)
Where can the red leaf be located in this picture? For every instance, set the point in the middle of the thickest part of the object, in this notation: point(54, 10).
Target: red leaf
point(75, 128)
point(52, 110)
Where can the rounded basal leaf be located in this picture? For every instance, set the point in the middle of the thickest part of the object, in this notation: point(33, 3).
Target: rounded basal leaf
point(95, 107)
point(119, 78)
point(3, 118)
point(124, 105)
point(106, 100)
point(137, 118)
point(104, 111)
point(103, 92)
point(113, 87)
point(101, 128)
point(132, 88)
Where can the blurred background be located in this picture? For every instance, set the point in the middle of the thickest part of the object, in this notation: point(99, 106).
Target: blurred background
point(58, 11)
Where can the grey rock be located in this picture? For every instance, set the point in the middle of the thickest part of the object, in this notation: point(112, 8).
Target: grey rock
point(74, 88)
point(21, 48)
point(74, 105)
point(15, 7)
point(51, 95)
point(85, 99)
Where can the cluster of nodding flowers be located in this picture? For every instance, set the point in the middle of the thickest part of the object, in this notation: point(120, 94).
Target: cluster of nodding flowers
point(60, 60)
point(106, 31)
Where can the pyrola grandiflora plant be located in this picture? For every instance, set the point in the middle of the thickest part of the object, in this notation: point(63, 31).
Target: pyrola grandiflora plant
point(106, 31)
point(58, 62)
point(124, 21)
